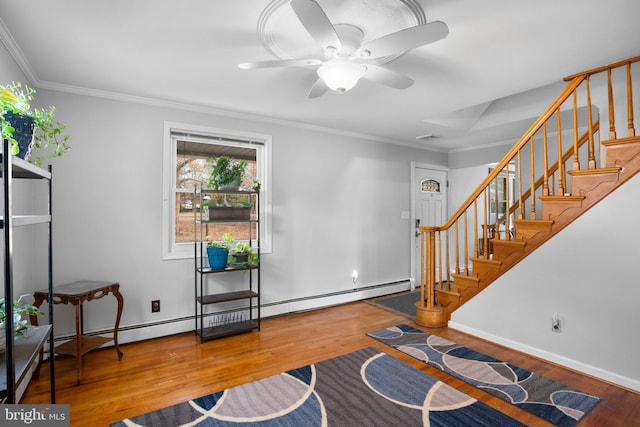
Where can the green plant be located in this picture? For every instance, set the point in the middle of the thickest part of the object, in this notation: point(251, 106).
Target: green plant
point(19, 311)
point(224, 243)
point(254, 258)
point(243, 254)
point(225, 171)
point(16, 98)
point(242, 248)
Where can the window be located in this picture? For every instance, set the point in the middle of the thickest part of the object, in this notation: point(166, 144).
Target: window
point(499, 188)
point(186, 154)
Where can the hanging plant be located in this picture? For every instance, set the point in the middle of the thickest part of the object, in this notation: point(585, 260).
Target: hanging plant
point(37, 125)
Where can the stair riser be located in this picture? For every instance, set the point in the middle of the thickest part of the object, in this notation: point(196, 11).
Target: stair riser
point(582, 185)
point(551, 210)
point(621, 154)
point(463, 282)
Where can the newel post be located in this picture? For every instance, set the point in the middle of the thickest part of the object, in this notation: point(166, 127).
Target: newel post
point(427, 312)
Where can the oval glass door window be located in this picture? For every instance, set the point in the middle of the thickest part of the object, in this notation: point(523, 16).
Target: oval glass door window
point(430, 186)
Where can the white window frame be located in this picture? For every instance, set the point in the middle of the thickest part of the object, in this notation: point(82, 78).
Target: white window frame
point(170, 248)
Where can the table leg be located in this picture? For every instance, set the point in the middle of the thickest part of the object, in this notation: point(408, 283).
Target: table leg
point(78, 344)
point(120, 299)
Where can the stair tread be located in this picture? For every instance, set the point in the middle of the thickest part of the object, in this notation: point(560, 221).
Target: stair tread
point(486, 261)
point(464, 277)
point(597, 171)
point(621, 141)
point(532, 221)
point(565, 198)
point(445, 292)
point(513, 242)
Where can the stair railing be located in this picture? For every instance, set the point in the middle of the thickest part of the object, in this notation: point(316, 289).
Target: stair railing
point(537, 163)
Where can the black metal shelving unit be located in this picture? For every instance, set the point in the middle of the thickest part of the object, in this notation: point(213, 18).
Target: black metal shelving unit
point(20, 355)
point(211, 320)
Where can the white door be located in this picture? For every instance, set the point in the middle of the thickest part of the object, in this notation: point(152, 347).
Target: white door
point(430, 208)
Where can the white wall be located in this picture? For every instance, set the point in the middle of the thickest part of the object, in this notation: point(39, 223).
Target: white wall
point(337, 204)
point(587, 275)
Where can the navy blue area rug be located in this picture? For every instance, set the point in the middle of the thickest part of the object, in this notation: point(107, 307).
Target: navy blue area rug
point(550, 400)
point(363, 388)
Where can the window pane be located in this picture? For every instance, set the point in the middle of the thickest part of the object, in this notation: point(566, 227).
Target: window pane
point(192, 171)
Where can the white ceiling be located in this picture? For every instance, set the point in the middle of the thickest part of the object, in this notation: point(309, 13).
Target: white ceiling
point(186, 52)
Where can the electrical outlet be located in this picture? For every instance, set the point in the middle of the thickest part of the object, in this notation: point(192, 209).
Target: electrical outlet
point(556, 325)
point(155, 306)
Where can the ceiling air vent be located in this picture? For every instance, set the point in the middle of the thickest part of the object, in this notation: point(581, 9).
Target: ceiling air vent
point(427, 137)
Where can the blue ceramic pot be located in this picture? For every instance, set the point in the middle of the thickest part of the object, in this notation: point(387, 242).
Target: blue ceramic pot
point(217, 258)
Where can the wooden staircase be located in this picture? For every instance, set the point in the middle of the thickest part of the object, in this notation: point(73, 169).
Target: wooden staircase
point(474, 248)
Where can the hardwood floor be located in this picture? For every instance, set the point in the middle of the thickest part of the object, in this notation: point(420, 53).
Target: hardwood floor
point(165, 371)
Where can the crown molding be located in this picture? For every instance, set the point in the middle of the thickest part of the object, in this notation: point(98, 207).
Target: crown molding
point(155, 102)
point(14, 50)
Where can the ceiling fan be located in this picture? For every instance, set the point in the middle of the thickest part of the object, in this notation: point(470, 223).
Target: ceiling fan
point(346, 59)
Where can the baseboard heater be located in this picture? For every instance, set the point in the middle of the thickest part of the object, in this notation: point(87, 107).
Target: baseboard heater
point(262, 306)
point(337, 293)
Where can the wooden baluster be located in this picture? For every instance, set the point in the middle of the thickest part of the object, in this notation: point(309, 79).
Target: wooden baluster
point(485, 228)
point(431, 271)
point(576, 157)
point(497, 205)
point(423, 264)
point(457, 248)
point(533, 180)
point(612, 116)
point(561, 173)
point(631, 132)
point(507, 204)
point(519, 175)
point(519, 166)
point(545, 161)
point(439, 251)
point(591, 144)
point(475, 228)
point(466, 244)
point(448, 263)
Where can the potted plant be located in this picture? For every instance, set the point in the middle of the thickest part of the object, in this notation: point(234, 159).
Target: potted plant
point(227, 174)
point(231, 174)
point(29, 128)
point(240, 254)
point(20, 323)
point(218, 251)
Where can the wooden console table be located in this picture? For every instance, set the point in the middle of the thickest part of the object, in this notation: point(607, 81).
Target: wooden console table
point(77, 293)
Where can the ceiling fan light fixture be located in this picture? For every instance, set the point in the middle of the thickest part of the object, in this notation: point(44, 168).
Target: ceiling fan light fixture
point(341, 76)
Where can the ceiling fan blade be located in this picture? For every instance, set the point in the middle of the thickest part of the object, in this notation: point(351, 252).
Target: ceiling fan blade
point(403, 40)
point(384, 76)
point(315, 21)
point(280, 63)
point(318, 89)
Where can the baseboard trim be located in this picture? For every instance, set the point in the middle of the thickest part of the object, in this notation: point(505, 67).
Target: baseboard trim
point(587, 369)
